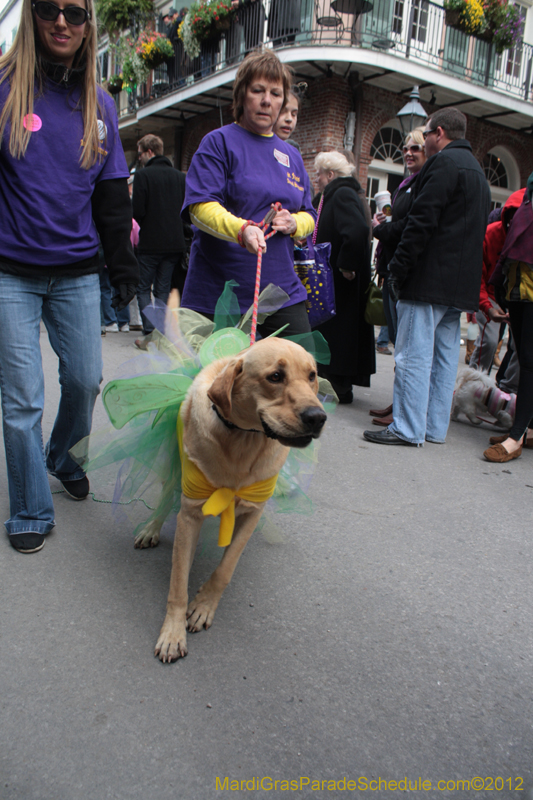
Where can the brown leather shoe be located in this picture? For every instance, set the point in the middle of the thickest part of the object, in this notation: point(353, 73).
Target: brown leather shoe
point(499, 455)
point(384, 412)
point(385, 421)
point(500, 439)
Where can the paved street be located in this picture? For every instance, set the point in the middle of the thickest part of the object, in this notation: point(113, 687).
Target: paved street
point(387, 636)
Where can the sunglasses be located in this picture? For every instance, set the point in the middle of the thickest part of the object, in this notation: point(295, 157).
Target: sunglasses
point(425, 134)
point(414, 148)
point(74, 15)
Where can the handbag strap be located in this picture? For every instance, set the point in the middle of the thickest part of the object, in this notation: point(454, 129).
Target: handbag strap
point(319, 211)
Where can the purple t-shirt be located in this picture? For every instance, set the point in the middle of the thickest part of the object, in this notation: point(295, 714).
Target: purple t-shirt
point(45, 197)
point(245, 173)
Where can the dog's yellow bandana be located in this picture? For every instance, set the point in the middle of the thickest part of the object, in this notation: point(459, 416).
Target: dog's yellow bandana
point(221, 502)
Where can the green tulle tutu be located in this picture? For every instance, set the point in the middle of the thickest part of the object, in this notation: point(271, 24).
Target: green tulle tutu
point(138, 451)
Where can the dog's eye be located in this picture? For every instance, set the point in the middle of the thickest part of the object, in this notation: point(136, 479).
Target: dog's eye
point(312, 377)
point(275, 377)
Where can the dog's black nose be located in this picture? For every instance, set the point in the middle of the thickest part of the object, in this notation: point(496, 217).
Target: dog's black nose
point(314, 418)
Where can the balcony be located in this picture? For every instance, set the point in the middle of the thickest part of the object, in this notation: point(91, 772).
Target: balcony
point(357, 32)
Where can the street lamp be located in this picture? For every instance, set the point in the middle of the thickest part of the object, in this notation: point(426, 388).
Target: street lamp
point(412, 115)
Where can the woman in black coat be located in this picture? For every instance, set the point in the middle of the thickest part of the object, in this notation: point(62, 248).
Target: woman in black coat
point(342, 222)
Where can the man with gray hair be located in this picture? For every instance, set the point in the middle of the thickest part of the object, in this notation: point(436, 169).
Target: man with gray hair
point(434, 275)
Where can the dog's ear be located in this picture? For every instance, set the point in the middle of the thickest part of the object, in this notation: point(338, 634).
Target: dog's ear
point(220, 390)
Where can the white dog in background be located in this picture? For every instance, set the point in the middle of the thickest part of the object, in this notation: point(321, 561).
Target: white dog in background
point(477, 395)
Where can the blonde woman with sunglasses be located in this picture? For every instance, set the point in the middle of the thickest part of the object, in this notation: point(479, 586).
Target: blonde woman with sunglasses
point(63, 183)
point(390, 233)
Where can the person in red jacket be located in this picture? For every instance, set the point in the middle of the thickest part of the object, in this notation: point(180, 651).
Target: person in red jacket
point(490, 315)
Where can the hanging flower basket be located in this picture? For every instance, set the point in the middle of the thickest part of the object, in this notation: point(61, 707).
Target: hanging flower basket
point(465, 15)
point(496, 21)
point(154, 48)
point(114, 84)
point(486, 35)
point(208, 19)
point(223, 24)
point(134, 69)
point(117, 15)
point(452, 17)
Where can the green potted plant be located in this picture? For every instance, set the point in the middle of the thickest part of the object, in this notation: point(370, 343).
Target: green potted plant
point(209, 18)
point(503, 23)
point(154, 48)
point(117, 15)
point(191, 44)
point(114, 84)
point(466, 15)
point(133, 68)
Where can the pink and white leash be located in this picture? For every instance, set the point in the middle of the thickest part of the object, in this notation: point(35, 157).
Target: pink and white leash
point(263, 225)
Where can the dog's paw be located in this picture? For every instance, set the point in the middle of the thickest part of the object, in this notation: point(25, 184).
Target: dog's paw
point(148, 536)
point(172, 643)
point(201, 610)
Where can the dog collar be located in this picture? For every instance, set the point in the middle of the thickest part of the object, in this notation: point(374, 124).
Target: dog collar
point(230, 425)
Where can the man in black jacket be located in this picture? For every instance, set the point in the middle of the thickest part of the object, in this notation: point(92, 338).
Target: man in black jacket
point(158, 192)
point(435, 274)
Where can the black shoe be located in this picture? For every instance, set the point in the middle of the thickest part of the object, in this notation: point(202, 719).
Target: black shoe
point(345, 398)
point(28, 542)
point(386, 437)
point(78, 490)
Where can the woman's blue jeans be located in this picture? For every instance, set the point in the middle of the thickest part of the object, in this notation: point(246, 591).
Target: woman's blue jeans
point(426, 355)
point(70, 310)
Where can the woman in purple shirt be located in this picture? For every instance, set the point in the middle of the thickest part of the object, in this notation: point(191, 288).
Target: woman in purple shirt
point(63, 183)
point(234, 177)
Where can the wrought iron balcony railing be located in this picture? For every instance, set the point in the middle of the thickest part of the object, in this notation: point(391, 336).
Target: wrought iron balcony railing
point(413, 29)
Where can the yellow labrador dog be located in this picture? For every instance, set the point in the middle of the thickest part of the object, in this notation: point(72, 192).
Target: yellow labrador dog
point(239, 419)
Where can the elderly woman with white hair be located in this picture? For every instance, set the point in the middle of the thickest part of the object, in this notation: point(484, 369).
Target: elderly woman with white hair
point(341, 221)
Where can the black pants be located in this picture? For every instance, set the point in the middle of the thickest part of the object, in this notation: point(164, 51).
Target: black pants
point(296, 316)
point(521, 317)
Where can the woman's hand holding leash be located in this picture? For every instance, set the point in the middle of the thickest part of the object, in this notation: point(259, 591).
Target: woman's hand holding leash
point(284, 222)
point(254, 239)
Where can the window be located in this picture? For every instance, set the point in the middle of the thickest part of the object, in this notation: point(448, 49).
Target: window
point(420, 21)
point(397, 17)
point(387, 144)
point(495, 171)
point(514, 57)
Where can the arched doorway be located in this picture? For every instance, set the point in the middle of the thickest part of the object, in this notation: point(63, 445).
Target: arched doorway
point(386, 170)
point(502, 173)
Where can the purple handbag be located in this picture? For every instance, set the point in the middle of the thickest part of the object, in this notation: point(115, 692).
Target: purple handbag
point(312, 267)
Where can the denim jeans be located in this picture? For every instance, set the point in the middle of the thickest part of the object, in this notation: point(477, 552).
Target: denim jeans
point(383, 337)
point(70, 310)
point(156, 269)
point(109, 315)
point(426, 354)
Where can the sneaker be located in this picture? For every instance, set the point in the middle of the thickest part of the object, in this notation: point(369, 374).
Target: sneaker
point(78, 490)
point(112, 328)
point(384, 350)
point(27, 542)
point(125, 328)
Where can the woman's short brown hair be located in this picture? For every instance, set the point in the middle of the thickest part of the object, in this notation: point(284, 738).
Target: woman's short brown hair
point(259, 64)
